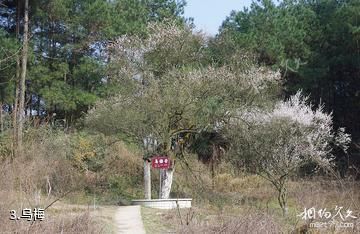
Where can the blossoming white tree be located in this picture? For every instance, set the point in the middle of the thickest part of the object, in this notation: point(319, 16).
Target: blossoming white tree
point(168, 90)
point(278, 142)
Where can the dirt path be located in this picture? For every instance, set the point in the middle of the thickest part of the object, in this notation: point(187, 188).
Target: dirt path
point(128, 220)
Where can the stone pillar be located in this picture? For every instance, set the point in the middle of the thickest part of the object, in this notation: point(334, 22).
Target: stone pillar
point(147, 179)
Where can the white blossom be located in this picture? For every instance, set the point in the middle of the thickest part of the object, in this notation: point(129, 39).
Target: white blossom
point(309, 138)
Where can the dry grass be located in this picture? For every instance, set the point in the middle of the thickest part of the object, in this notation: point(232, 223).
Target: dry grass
point(72, 167)
point(158, 221)
point(248, 222)
point(57, 219)
point(200, 220)
point(322, 193)
point(248, 204)
point(39, 177)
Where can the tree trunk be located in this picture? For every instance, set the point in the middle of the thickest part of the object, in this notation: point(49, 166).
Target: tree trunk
point(147, 179)
point(282, 198)
point(1, 118)
point(38, 106)
point(212, 167)
point(16, 100)
point(24, 56)
point(166, 176)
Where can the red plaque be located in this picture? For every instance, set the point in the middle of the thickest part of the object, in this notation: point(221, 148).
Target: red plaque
point(160, 162)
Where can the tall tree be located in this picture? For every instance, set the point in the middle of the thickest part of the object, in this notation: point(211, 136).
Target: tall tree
point(169, 91)
point(24, 58)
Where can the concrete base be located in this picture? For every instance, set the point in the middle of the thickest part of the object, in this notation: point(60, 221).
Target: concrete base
point(164, 203)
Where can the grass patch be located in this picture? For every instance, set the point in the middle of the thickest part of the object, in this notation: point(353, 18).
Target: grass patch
point(156, 221)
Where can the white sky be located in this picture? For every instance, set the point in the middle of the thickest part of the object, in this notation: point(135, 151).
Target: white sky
point(209, 15)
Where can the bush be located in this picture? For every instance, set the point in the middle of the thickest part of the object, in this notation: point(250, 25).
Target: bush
point(87, 152)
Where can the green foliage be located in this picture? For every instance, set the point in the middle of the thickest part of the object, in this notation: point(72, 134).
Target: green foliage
point(209, 146)
point(124, 188)
point(66, 72)
point(165, 9)
point(9, 49)
point(278, 34)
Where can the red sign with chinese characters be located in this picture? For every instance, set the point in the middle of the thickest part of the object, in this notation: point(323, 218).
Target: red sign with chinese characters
point(160, 162)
